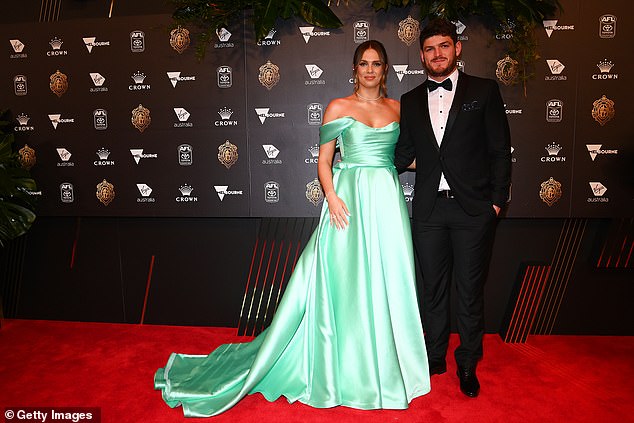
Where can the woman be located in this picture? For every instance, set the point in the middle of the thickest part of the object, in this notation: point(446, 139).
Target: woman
point(347, 331)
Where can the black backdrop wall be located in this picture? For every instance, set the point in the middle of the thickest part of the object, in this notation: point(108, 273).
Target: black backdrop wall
point(192, 239)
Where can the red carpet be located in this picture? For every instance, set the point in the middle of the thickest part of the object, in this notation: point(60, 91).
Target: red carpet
point(111, 366)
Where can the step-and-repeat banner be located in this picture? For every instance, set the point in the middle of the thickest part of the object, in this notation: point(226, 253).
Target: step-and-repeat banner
point(117, 117)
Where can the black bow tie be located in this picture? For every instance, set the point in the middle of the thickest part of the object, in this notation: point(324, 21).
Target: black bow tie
point(432, 85)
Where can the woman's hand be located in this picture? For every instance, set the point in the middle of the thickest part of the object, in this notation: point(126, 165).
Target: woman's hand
point(412, 165)
point(338, 211)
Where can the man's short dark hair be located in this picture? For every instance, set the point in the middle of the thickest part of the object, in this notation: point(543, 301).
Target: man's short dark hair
point(438, 26)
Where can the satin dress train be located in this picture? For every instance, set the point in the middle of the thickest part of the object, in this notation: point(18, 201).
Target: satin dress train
point(347, 330)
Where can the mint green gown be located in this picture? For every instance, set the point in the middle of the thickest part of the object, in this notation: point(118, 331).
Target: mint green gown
point(347, 330)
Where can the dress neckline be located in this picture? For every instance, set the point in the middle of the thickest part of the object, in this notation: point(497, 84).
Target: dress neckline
point(362, 123)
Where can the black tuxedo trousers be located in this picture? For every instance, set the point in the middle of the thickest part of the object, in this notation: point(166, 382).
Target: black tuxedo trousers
point(452, 245)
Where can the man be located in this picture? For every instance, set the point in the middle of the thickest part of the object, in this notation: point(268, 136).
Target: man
point(454, 126)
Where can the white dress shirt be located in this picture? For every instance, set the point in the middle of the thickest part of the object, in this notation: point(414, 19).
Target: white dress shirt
point(439, 102)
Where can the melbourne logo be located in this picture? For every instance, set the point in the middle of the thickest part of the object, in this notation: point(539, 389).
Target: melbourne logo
point(595, 149)
point(175, 78)
point(263, 114)
point(91, 42)
point(222, 191)
point(401, 71)
point(56, 119)
point(138, 154)
point(309, 31)
point(550, 25)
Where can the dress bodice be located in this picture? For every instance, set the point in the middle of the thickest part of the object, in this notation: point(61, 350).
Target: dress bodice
point(361, 144)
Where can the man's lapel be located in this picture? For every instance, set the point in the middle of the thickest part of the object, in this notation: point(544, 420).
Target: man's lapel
point(426, 120)
point(456, 105)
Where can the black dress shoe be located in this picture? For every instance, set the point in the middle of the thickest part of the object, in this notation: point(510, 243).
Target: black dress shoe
point(469, 384)
point(437, 368)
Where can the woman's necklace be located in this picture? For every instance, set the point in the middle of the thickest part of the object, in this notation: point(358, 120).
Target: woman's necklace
point(368, 99)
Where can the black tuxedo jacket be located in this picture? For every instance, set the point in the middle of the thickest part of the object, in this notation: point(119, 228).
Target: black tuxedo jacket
point(475, 153)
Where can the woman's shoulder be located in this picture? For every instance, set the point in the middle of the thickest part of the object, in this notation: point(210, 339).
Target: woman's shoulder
point(337, 108)
point(393, 104)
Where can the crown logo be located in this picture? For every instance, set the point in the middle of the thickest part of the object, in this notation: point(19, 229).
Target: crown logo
point(605, 65)
point(314, 150)
point(186, 190)
point(138, 77)
point(225, 113)
point(56, 43)
point(553, 149)
point(22, 119)
point(103, 153)
point(408, 189)
point(270, 35)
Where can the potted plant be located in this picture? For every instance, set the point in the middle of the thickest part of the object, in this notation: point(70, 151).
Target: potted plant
point(17, 203)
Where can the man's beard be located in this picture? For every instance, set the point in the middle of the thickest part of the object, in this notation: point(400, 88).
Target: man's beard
point(446, 72)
